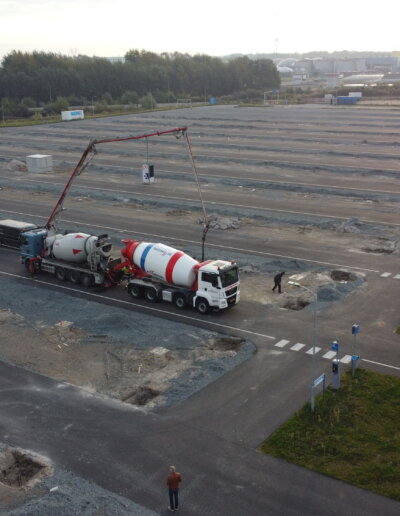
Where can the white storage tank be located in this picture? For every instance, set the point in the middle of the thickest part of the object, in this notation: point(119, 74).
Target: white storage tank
point(169, 264)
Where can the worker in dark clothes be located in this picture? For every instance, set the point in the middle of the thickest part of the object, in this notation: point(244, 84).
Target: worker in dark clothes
point(173, 480)
point(277, 282)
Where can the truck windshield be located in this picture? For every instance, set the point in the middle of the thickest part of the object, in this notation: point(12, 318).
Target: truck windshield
point(229, 277)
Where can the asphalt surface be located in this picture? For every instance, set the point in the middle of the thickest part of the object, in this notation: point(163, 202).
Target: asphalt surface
point(126, 452)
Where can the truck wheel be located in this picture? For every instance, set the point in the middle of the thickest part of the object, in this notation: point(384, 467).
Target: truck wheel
point(74, 277)
point(180, 301)
point(202, 306)
point(136, 291)
point(151, 295)
point(60, 274)
point(87, 280)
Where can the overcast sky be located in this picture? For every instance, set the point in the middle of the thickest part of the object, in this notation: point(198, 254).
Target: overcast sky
point(214, 27)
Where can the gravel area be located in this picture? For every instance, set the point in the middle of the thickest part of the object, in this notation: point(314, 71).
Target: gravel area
point(63, 494)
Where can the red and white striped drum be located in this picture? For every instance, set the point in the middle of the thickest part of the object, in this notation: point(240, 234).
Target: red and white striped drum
point(169, 264)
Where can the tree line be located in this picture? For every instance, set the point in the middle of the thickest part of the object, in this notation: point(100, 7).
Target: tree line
point(38, 78)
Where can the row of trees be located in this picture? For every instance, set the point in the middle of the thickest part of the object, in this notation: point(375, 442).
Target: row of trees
point(43, 77)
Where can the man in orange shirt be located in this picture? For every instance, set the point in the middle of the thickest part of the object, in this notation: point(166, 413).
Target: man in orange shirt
point(173, 480)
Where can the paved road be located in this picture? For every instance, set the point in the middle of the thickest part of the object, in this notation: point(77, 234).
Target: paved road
point(211, 437)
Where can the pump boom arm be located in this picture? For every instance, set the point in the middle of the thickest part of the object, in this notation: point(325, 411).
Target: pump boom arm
point(87, 156)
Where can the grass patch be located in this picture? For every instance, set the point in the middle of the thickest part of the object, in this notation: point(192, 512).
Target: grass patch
point(353, 435)
point(22, 122)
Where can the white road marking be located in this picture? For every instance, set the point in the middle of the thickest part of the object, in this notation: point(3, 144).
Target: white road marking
point(379, 363)
point(346, 359)
point(148, 308)
point(218, 246)
point(386, 274)
point(329, 355)
point(298, 347)
point(397, 276)
point(282, 343)
point(310, 351)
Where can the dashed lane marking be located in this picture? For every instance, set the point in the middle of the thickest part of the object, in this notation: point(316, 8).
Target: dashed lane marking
point(346, 359)
point(282, 343)
point(298, 347)
point(329, 355)
point(386, 274)
point(397, 276)
point(311, 350)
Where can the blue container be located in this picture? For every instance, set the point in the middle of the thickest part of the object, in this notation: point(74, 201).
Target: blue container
point(347, 100)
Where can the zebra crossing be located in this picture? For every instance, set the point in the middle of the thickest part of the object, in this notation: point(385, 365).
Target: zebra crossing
point(299, 346)
point(389, 274)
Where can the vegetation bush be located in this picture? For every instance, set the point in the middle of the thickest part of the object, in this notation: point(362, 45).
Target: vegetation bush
point(148, 102)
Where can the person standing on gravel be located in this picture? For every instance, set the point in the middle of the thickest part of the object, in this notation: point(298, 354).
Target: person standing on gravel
point(173, 480)
point(277, 282)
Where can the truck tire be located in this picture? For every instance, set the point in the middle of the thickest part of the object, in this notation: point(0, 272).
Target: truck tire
point(61, 274)
point(74, 277)
point(87, 280)
point(151, 295)
point(180, 301)
point(136, 291)
point(202, 306)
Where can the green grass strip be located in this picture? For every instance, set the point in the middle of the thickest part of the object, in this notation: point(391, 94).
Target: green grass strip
point(353, 435)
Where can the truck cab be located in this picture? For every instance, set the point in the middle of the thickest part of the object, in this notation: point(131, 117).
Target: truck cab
point(32, 243)
point(217, 285)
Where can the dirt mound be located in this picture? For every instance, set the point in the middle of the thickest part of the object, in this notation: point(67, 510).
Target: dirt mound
point(296, 303)
point(223, 223)
point(225, 343)
point(141, 396)
point(19, 468)
point(341, 275)
point(16, 165)
point(349, 226)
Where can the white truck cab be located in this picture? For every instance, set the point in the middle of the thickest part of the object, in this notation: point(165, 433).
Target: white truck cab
point(218, 285)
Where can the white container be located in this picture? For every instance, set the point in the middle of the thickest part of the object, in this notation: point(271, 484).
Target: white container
point(166, 263)
point(357, 94)
point(77, 114)
point(73, 247)
point(39, 163)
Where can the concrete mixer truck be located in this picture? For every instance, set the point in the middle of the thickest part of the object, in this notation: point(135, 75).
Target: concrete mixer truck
point(77, 257)
point(161, 273)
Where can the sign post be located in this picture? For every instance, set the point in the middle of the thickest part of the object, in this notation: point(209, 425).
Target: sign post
point(335, 366)
point(355, 330)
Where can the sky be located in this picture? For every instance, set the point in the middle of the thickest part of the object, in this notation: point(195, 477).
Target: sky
point(214, 27)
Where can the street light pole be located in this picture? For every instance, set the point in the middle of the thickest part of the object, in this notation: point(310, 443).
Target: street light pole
point(314, 337)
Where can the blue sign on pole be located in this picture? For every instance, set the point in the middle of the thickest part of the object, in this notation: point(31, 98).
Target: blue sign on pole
point(213, 100)
point(335, 346)
point(319, 380)
point(355, 329)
